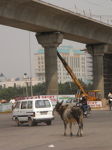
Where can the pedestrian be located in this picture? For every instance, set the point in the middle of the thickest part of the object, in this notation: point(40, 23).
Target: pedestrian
point(13, 103)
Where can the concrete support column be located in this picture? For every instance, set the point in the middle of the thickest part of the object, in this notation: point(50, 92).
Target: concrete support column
point(50, 42)
point(97, 51)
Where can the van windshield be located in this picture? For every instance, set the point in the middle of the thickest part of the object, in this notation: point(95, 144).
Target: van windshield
point(42, 104)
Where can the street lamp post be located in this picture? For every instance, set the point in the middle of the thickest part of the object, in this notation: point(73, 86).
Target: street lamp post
point(31, 86)
point(25, 78)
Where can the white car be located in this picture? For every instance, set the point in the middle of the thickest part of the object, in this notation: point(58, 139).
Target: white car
point(71, 101)
point(33, 111)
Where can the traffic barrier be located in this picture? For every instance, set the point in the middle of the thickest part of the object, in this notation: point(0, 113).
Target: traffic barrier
point(5, 107)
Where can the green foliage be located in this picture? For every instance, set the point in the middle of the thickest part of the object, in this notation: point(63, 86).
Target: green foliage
point(71, 87)
point(11, 92)
point(67, 88)
point(40, 89)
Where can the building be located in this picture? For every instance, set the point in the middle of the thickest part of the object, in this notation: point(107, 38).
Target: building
point(79, 61)
point(17, 83)
point(2, 77)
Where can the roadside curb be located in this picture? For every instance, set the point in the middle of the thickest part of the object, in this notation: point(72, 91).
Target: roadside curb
point(5, 112)
point(106, 108)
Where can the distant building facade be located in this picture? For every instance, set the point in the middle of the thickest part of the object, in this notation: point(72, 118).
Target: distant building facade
point(17, 83)
point(2, 77)
point(79, 61)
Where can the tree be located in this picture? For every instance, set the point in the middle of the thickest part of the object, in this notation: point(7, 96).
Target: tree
point(67, 88)
point(11, 92)
point(39, 89)
point(72, 88)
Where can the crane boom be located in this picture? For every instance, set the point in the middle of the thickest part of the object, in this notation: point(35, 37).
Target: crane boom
point(69, 70)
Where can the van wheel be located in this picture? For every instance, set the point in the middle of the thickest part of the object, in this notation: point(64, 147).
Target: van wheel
point(48, 122)
point(17, 122)
point(30, 122)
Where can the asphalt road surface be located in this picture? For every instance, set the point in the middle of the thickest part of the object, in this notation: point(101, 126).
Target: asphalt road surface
point(97, 134)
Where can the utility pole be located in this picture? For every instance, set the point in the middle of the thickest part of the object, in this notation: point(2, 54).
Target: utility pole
point(25, 78)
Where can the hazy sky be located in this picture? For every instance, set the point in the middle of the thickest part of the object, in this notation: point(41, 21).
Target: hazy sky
point(17, 47)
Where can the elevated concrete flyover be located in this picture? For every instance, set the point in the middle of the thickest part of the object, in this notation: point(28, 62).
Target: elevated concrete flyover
point(52, 24)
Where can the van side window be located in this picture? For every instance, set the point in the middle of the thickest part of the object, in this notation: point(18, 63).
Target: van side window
point(17, 105)
point(29, 104)
point(23, 105)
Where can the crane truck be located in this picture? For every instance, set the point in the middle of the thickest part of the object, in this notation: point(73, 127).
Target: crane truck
point(93, 95)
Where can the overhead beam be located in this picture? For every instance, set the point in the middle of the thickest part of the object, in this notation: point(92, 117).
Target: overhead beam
point(38, 16)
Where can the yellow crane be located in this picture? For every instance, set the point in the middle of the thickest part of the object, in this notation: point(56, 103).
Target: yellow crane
point(92, 95)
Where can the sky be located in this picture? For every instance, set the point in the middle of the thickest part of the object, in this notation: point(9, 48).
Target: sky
point(17, 47)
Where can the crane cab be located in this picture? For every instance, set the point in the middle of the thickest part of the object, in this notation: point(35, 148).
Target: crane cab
point(95, 95)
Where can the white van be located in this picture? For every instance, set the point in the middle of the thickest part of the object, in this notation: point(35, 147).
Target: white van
point(33, 111)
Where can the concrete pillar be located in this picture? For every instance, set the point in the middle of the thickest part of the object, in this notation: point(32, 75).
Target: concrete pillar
point(108, 73)
point(50, 42)
point(97, 51)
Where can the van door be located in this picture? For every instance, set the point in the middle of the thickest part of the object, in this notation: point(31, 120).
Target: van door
point(16, 110)
point(23, 111)
point(44, 109)
point(30, 111)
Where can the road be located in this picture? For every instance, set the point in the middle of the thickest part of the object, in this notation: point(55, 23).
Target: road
point(97, 134)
